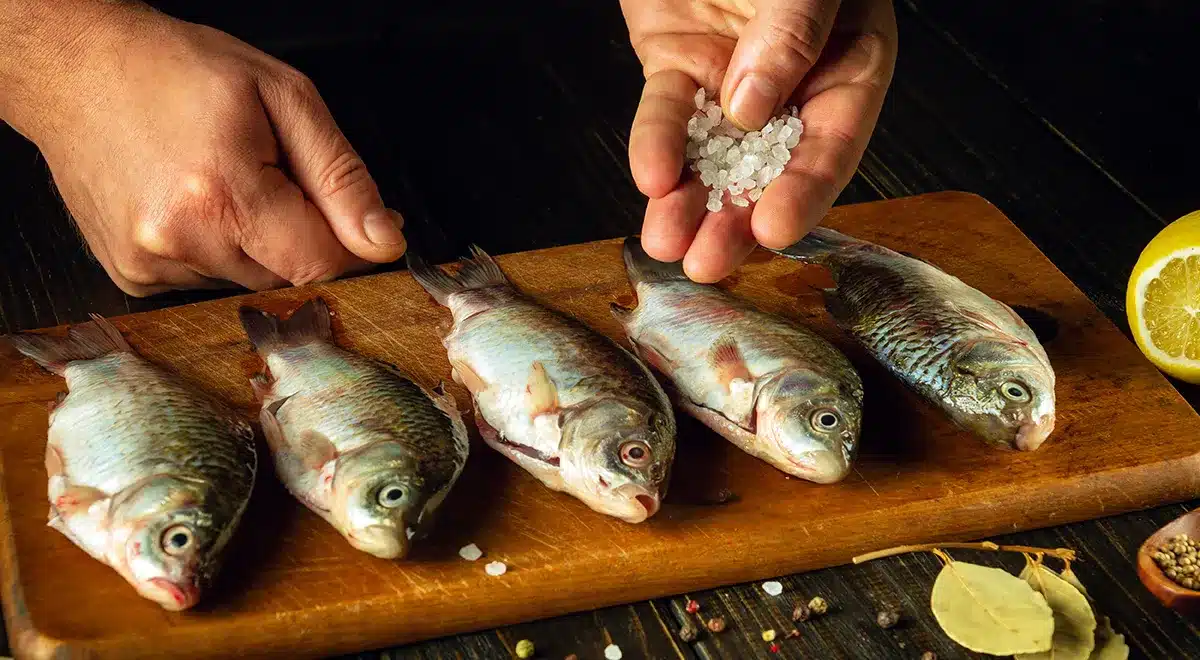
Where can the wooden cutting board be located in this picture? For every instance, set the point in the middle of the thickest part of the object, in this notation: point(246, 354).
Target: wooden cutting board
point(292, 587)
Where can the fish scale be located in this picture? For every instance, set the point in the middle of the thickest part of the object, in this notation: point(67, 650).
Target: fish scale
point(967, 353)
point(353, 438)
point(759, 380)
point(145, 473)
point(112, 398)
point(568, 405)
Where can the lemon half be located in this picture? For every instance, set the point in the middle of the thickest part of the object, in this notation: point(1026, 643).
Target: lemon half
point(1163, 299)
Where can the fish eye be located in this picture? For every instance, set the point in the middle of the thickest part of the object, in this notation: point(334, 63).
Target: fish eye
point(825, 420)
point(635, 453)
point(1014, 391)
point(177, 540)
point(391, 496)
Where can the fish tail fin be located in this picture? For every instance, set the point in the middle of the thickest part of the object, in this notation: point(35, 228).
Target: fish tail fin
point(644, 268)
point(85, 341)
point(311, 322)
point(817, 244)
point(479, 272)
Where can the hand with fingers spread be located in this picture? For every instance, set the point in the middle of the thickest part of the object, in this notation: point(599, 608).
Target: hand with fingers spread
point(187, 157)
point(832, 59)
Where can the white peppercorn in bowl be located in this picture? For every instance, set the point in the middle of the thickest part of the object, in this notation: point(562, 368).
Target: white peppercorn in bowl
point(1168, 564)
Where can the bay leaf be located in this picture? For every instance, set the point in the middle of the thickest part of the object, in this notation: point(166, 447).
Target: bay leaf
point(1074, 621)
point(1110, 645)
point(988, 610)
point(1069, 575)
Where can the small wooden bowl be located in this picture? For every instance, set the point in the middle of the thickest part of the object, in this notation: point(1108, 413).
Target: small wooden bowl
point(1181, 599)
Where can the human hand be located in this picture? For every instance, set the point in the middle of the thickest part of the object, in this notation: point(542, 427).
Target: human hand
point(190, 159)
point(834, 60)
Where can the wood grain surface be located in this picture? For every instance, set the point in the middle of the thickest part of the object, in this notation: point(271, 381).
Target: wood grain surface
point(292, 586)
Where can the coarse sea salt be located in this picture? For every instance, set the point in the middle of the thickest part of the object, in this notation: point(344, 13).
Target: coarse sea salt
point(772, 588)
point(613, 652)
point(496, 569)
point(732, 162)
point(470, 552)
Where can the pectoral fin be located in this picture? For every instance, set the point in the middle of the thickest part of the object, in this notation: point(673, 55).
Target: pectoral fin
point(727, 359)
point(543, 396)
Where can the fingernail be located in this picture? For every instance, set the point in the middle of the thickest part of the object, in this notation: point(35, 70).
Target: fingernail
point(382, 229)
point(753, 101)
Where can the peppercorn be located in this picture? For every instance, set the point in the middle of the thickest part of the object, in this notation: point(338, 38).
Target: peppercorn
point(689, 632)
point(524, 649)
point(793, 634)
point(887, 618)
point(929, 655)
point(692, 607)
point(801, 612)
point(1179, 561)
point(818, 605)
point(716, 624)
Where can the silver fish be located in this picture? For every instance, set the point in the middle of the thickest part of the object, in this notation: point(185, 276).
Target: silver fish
point(354, 439)
point(146, 474)
point(560, 400)
point(969, 354)
point(773, 388)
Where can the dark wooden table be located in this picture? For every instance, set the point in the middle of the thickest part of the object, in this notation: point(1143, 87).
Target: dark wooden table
point(1079, 120)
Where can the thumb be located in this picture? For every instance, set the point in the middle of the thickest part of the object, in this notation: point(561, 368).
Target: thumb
point(775, 50)
point(329, 171)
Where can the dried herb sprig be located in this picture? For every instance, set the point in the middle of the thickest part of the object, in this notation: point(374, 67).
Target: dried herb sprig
point(1065, 554)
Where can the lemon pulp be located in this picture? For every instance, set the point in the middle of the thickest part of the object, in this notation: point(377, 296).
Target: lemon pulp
point(1171, 308)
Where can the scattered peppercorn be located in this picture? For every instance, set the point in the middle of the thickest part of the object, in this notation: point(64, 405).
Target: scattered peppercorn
point(774, 647)
point(818, 605)
point(692, 607)
point(689, 632)
point(794, 634)
point(524, 649)
point(1179, 560)
point(716, 624)
point(768, 635)
point(929, 655)
point(802, 612)
point(887, 618)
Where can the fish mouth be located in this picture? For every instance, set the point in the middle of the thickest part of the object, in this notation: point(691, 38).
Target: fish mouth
point(380, 541)
point(644, 503)
point(1031, 435)
point(822, 466)
point(178, 597)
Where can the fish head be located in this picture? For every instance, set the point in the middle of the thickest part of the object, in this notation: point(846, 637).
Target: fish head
point(167, 534)
point(809, 425)
point(616, 456)
point(378, 498)
point(1004, 392)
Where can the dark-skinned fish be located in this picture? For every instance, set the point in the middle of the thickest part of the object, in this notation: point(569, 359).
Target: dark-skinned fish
point(353, 438)
point(567, 404)
point(967, 353)
point(146, 473)
point(774, 389)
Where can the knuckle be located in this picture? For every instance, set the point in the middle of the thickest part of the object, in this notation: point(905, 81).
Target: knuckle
point(201, 197)
point(345, 172)
point(299, 84)
point(321, 270)
point(795, 38)
point(136, 273)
